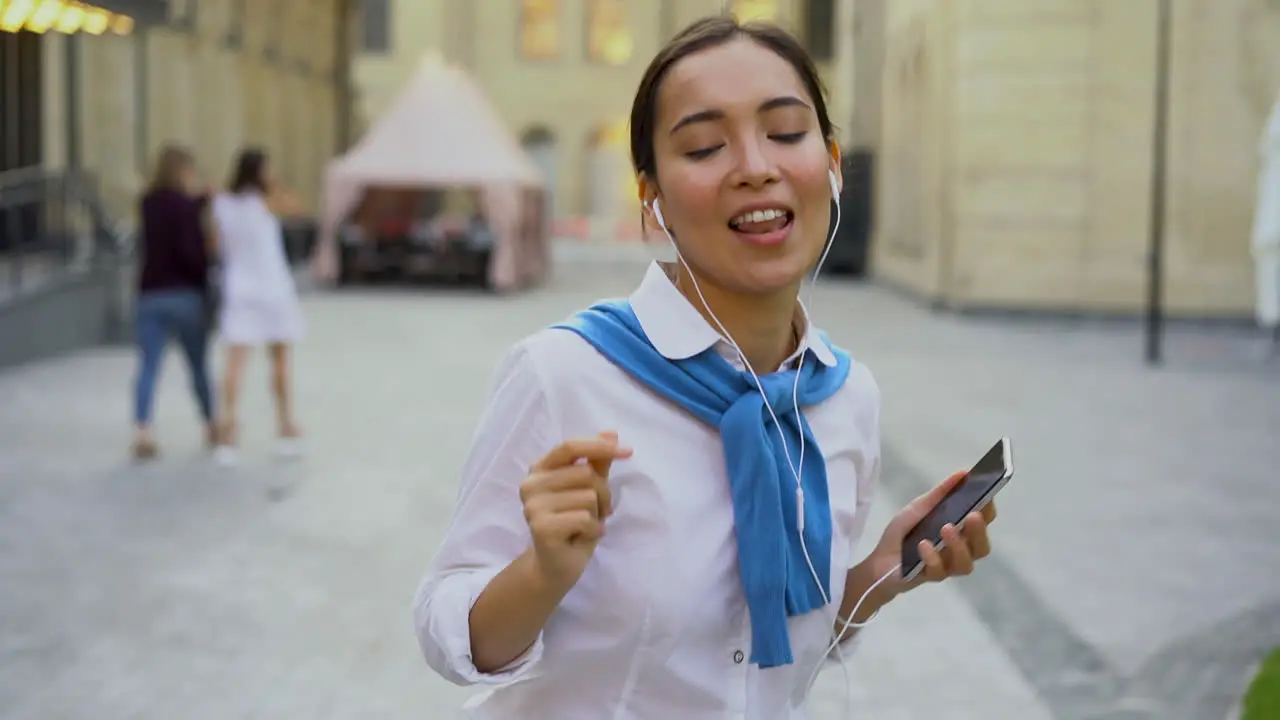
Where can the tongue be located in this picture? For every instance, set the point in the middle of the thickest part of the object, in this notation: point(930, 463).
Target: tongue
point(760, 228)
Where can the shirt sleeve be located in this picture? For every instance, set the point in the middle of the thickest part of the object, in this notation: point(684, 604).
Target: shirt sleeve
point(488, 528)
point(189, 236)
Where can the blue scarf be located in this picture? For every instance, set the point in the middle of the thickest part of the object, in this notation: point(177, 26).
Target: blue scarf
point(776, 578)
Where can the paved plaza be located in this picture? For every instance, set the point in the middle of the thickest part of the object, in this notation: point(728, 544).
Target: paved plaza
point(1135, 571)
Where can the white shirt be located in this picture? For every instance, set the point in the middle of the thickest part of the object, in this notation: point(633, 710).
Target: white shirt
point(251, 245)
point(657, 627)
point(1266, 219)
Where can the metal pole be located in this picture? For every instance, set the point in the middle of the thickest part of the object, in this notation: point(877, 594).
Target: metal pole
point(141, 98)
point(345, 51)
point(72, 94)
point(12, 153)
point(1155, 255)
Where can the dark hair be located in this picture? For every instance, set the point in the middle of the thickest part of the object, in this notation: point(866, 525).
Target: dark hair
point(250, 172)
point(170, 164)
point(707, 33)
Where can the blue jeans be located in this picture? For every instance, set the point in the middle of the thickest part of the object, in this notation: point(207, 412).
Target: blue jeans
point(165, 314)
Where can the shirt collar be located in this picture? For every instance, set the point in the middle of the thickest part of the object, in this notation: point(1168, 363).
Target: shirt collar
point(678, 331)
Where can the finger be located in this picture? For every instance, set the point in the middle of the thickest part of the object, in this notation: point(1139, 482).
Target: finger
point(604, 499)
point(567, 501)
point(588, 448)
point(927, 501)
point(568, 527)
point(934, 568)
point(561, 479)
point(583, 527)
point(603, 465)
point(574, 477)
point(976, 537)
point(917, 509)
point(989, 512)
point(602, 468)
point(956, 555)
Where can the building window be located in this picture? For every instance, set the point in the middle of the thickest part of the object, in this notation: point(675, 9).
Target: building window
point(375, 26)
point(819, 21)
point(608, 33)
point(749, 10)
point(273, 48)
point(234, 37)
point(667, 20)
point(539, 29)
point(182, 14)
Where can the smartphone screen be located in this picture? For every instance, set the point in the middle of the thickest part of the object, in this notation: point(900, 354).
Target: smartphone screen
point(984, 479)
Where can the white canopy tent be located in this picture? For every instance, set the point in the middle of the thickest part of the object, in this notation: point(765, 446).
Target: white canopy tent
point(441, 132)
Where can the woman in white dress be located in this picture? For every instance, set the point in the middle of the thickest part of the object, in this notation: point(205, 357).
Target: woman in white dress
point(259, 299)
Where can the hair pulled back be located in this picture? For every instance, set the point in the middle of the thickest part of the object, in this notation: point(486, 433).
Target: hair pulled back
point(706, 33)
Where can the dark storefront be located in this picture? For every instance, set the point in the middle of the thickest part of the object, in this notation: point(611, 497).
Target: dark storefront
point(21, 126)
point(32, 198)
point(144, 12)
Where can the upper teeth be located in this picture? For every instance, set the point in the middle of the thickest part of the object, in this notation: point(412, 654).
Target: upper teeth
point(756, 216)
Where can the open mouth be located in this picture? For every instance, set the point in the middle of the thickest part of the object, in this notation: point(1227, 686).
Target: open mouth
point(762, 222)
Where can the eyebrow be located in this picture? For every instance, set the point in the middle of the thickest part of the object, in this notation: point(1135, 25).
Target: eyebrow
point(713, 115)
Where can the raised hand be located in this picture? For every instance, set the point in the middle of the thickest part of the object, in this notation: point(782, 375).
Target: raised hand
point(566, 500)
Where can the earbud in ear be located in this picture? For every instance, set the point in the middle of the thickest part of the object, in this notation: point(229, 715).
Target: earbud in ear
point(835, 184)
point(657, 213)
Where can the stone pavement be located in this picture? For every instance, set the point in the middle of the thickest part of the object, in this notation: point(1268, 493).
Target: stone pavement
point(1130, 578)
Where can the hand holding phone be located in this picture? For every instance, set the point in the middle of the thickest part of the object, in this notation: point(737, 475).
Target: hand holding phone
point(973, 493)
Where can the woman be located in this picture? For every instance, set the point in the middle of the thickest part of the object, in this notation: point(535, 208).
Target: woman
point(639, 534)
point(259, 300)
point(172, 290)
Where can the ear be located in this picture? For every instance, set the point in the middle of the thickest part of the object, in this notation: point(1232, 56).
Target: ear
point(647, 191)
point(833, 148)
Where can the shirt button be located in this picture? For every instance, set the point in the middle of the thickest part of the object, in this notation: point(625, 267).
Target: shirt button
point(738, 657)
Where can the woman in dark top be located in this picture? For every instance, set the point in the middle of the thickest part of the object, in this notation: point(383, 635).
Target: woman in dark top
point(172, 290)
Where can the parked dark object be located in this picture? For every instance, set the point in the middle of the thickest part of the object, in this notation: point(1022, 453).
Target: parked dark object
point(299, 238)
point(67, 269)
point(852, 242)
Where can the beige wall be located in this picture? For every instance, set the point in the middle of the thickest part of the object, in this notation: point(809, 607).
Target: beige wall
point(1016, 150)
point(418, 27)
point(202, 93)
point(573, 97)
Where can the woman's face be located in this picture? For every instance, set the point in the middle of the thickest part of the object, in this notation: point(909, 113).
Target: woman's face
point(266, 175)
point(742, 168)
point(188, 179)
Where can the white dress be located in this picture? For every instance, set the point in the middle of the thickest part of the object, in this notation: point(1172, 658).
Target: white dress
point(259, 298)
point(1266, 224)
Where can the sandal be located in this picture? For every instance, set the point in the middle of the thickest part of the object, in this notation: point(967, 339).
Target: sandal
point(145, 449)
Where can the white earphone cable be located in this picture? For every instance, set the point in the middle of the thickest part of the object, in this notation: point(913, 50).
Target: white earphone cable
point(797, 468)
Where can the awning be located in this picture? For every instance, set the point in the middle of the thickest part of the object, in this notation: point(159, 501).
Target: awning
point(71, 16)
point(144, 12)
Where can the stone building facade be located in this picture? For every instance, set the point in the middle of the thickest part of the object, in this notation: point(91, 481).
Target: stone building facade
point(214, 75)
point(1016, 142)
point(562, 74)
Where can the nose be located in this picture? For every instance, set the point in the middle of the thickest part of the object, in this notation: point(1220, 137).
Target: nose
point(755, 170)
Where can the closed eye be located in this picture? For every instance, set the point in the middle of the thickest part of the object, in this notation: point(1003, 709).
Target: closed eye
point(787, 138)
point(703, 153)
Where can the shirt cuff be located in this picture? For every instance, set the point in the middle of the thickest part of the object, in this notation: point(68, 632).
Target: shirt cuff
point(847, 646)
point(443, 618)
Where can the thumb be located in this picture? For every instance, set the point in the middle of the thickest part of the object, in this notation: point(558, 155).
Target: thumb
point(917, 509)
point(602, 467)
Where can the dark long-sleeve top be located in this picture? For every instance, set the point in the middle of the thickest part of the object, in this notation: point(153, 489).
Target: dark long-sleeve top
point(174, 254)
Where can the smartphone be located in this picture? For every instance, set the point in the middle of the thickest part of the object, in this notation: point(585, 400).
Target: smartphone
point(985, 479)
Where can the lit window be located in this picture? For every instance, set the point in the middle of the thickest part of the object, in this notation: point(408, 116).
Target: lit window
point(539, 29)
point(608, 35)
point(749, 10)
point(375, 26)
